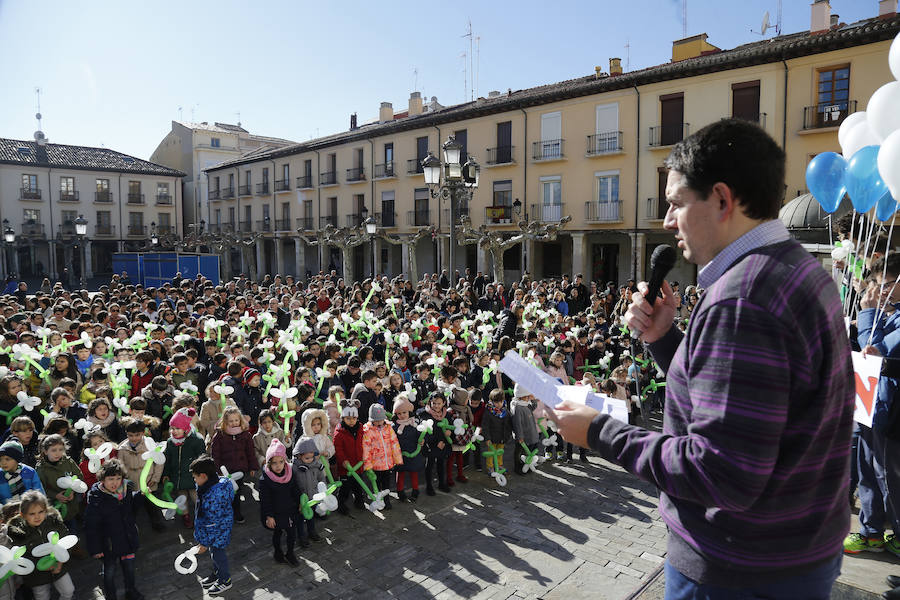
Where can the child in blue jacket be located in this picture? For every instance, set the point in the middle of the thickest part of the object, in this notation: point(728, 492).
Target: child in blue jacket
point(17, 477)
point(213, 521)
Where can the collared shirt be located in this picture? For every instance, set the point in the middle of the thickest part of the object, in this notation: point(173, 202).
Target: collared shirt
point(765, 234)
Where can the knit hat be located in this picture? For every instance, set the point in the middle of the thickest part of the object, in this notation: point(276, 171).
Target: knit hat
point(376, 413)
point(401, 402)
point(304, 445)
point(276, 448)
point(520, 392)
point(249, 374)
point(182, 419)
point(350, 408)
point(12, 449)
point(459, 395)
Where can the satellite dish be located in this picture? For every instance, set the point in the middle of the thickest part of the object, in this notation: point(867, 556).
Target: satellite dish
point(765, 25)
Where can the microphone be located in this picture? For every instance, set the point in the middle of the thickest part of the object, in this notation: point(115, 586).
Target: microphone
point(661, 262)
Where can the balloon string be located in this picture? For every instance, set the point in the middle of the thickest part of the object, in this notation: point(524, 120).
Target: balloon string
point(850, 259)
point(883, 300)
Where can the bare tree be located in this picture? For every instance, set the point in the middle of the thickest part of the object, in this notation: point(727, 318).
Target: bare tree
point(345, 238)
point(411, 242)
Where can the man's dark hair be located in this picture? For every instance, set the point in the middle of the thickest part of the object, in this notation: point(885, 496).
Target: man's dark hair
point(739, 154)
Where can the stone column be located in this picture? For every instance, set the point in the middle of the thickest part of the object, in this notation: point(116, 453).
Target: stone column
point(260, 264)
point(480, 259)
point(51, 259)
point(578, 254)
point(88, 264)
point(279, 256)
point(375, 247)
point(299, 258)
point(405, 249)
point(638, 244)
point(15, 255)
point(530, 266)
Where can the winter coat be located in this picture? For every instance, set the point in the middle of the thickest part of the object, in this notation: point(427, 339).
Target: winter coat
point(179, 458)
point(262, 440)
point(423, 390)
point(214, 516)
point(491, 303)
point(437, 435)
point(477, 414)
point(49, 472)
point(134, 464)
point(157, 401)
point(22, 534)
point(210, 413)
point(139, 382)
point(190, 375)
point(347, 447)
point(234, 452)
point(334, 416)
point(109, 525)
point(523, 423)
point(250, 401)
point(381, 449)
point(323, 442)
point(462, 411)
point(327, 382)
point(366, 399)
point(496, 429)
point(31, 449)
point(307, 477)
point(281, 501)
point(29, 478)
point(409, 442)
point(506, 326)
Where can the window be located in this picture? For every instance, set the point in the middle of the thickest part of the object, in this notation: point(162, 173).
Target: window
point(231, 181)
point(104, 222)
point(462, 138)
point(503, 193)
point(69, 216)
point(387, 209)
point(332, 163)
point(265, 213)
point(833, 96)
point(29, 182)
point(307, 169)
point(217, 183)
point(285, 172)
point(134, 192)
point(672, 119)
point(420, 200)
point(332, 209)
point(248, 214)
point(551, 198)
point(215, 142)
point(32, 216)
point(504, 143)
point(745, 100)
point(218, 216)
point(103, 185)
point(551, 136)
point(67, 186)
point(165, 222)
point(162, 190)
point(388, 154)
point(265, 175)
point(285, 211)
point(231, 215)
point(607, 187)
point(606, 128)
point(136, 220)
point(307, 209)
point(247, 177)
point(358, 158)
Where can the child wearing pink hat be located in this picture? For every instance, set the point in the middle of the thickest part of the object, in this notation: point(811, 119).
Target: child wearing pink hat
point(279, 501)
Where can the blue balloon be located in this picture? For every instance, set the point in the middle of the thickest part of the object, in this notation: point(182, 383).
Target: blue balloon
point(885, 207)
point(864, 184)
point(825, 179)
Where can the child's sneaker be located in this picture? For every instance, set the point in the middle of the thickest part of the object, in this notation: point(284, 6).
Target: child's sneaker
point(892, 544)
point(208, 581)
point(856, 543)
point(219, 587)
point(414, 496)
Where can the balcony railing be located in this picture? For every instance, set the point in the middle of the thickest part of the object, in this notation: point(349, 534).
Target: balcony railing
point(548, 150)
point(262, 188)
point(414, 167)
point(357, 174)
point(657, 209)
point(245, 190)
point(418, 218)
point(354, 220)
point(104, 197)
point(264, 225)
point(66, 229)
point(67, 196)
point(164, 199)
point(604, 143)
point(668, 134)
point(757, 118)
point(603, 212)
point(328, 220)
point(104, 229)
point(245, 226)
point(305, 223)
point(328, 178)
point(304, 182)
point(386, 219)
point(827, 114)
point(501, 155)
point(165, 229)
point(214, 194)
point(136, 230)
point(227, 193)
point(135, 198)
point(29, 194)
point(498, 215)
point(384, 170)
point(282, 224)
point(283, 185)
point(547, 212)
point(33, 229)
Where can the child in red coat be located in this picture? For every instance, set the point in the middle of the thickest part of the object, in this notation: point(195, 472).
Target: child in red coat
point(232, 448)
point(348, 449)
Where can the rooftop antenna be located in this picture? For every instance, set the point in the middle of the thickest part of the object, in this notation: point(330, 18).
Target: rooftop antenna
point(415, 79)
point(238, 113)
point(194, 113)
point(627, 55)
point(778, 19)
point(684, 28)
point(469, 35)
point(465, 78)
point(180, 114)
point(37, 115)
point(477, 62)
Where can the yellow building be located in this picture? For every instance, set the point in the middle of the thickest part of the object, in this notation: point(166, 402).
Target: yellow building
point(592, 148)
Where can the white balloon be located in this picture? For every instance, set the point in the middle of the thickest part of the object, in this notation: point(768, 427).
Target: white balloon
point(858, 138)
point(889, 163)
point(894, 57)
point(884, 110)
point(849, 123)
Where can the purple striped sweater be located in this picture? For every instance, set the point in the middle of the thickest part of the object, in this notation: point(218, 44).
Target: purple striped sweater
point(753, 461)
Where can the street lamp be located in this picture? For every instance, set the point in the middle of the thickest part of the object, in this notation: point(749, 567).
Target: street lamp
point(460, 181)
point(154, 238)
point(371, 227)
point(81, 230)
point(9, 237)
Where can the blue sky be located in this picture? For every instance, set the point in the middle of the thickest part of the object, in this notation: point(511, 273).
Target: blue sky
point(115, 73)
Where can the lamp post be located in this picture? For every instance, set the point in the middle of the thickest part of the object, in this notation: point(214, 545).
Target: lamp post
point(459, 181)
point(154, 238)
point(517, 209)
point(371, 227)
point(81, 231)
point(9, 237)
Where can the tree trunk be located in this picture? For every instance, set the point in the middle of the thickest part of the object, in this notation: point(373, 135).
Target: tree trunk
point(347, 259)
point(412, 262)
point(497, 255)
point(250, 259)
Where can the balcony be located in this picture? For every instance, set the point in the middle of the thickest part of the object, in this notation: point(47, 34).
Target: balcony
point(548, 150)
point(657, 209)
point(498, 215)
point(668, 134)
point(328, 220)
point(245, 190)
point(357, 174)
point(304, 182)
point(135, 230)
point(328, 178)
point(66, 229)
point(213, 194)
point(604, 143)
point(386, 219)
point(227, 193)
point(33, 230)
point(29, 194)
point(827, 114)
point(262, 188)
point(244, 226)
point(757, 118)
point(385, 170)
point(283, 185)
point(418, 218)
point(603, 212)
point(547, 213)
point(282, 224)
point(104, 197)
point(263, 225)
point(165, 229)
point(305, 223)
point(501, 155)
point(104, 229)
point(414, 167)
point(68, 196)
point(135, 198)
point(165, 199)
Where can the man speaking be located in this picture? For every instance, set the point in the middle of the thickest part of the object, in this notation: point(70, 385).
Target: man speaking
point(753, 461)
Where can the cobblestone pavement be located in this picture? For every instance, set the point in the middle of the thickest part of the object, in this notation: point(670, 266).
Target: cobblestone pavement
point(568, 531)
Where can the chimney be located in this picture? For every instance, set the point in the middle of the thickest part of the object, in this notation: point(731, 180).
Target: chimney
point(615, 67)
point(835, 21)
point(887, 8)
point(820, 16)
point(386, 113)
point(352, 121)
point(415, 104)
point(494, 94)
point(598, 72)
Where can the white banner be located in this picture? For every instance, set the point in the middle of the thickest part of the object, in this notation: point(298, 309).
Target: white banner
point(866, 370)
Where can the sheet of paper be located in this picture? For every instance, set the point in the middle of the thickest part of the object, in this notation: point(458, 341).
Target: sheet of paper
point(866, 371)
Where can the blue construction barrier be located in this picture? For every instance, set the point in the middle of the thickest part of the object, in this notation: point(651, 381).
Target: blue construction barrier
point(153, 269)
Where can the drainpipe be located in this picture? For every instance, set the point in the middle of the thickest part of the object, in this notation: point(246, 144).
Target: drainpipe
point(121, 231)
point(272, 218)
point(319, 207)
point(784, 109)
point(523, 265)
point(637, 185)
point(372, 185)
point(51, 246)
point(438, 249)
